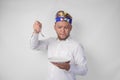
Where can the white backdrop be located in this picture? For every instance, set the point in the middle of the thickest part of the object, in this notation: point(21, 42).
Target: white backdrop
point(96, 24)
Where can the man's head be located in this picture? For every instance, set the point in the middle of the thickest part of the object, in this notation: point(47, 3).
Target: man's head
point(63, 25)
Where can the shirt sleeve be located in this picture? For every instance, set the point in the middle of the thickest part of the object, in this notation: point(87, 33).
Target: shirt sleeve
point(80, 63)
point(37, 44)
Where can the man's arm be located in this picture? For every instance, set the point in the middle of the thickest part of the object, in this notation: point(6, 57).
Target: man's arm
point(35, 43)
point(80, 65)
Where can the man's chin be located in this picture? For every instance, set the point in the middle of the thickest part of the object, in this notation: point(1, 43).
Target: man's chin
point(62, 38)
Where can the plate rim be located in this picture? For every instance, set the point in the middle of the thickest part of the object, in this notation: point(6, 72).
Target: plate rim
point(51, 59)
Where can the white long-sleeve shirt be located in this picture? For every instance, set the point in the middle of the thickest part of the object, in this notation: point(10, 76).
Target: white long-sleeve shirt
point(68, 49)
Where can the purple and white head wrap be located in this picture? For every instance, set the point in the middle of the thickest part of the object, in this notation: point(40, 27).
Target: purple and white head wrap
point(69, 20)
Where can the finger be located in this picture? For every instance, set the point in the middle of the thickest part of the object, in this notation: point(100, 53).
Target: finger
point(65, 66)
point(54, 63)
point(37, 25)
point(67, 62)
point(60, 65)
point(37, 22)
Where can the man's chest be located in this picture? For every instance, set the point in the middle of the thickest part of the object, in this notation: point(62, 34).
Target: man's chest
point(64, 50)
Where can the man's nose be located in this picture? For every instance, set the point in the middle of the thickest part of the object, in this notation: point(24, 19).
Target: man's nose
point(62, 30)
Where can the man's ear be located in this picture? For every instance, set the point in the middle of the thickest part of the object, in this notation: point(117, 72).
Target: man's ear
point(70, 27)
point(55, 26)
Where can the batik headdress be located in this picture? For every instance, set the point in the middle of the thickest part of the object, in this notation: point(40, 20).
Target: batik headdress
point(63, 16)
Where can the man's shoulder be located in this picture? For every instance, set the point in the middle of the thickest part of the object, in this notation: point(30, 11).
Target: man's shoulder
point(51, 39)
point(76, 43)
point(73, 41)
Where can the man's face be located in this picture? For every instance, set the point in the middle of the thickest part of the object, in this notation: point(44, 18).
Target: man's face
point(62, 29)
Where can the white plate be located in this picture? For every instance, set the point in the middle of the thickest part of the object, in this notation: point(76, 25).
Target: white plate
point(53, 59)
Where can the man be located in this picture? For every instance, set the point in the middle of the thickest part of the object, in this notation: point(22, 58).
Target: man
point(62, 47)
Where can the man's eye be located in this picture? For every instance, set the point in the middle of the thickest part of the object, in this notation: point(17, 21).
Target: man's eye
point(66, 27)
point(59, 27)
